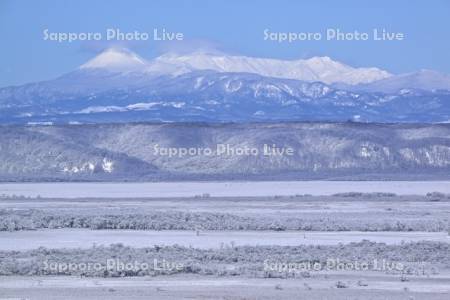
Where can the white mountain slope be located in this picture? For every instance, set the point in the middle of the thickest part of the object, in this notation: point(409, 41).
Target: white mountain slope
point(322, 69)
point(423, 79)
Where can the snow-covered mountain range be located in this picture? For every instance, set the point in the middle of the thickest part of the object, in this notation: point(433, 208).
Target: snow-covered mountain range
point(322, 69)
point(120, 86)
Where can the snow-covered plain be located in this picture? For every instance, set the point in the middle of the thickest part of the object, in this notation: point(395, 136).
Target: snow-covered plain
point(85, 238)
point(212, 251)
point(219, 189)
point(379, 286)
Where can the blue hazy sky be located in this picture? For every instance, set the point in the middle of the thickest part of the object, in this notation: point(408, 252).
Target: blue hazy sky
point(233, 26)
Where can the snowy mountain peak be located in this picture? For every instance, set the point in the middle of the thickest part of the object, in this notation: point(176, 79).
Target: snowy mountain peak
point(116, 60)
point(320, 59)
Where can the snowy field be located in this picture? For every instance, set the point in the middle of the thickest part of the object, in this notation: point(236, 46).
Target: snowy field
point(219, 189)
point(376, 287)
point(225, 240)
point(84, 238)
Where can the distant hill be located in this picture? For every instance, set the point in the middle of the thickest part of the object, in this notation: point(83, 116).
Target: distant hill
point(127, 151)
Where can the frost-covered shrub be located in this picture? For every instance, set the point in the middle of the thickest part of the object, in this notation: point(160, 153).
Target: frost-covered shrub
point(228, 261)
point(341, 285)
point(11, 220)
